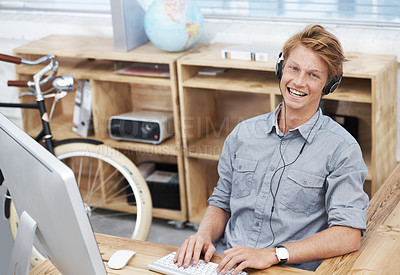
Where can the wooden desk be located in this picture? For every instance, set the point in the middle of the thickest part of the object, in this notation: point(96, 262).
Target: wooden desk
point(380, 246)
point(146, 252)
point(379, 252)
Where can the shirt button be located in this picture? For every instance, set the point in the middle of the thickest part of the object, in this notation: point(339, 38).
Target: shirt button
point(263, 196)
point(283, 142)
point(272, 168)
point(257, 224)
point(304, 181)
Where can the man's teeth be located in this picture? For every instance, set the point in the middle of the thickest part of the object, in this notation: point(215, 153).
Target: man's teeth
point(294, 92)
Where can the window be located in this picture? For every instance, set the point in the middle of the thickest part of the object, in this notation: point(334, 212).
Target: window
point(361, 12)
point(85, 6)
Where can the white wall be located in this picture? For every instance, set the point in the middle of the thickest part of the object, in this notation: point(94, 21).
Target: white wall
point(18, 29)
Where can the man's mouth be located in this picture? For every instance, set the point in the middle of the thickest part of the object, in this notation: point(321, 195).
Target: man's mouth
point(295, 92)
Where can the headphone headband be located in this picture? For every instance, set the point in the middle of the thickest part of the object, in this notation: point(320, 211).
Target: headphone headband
point(330, 87)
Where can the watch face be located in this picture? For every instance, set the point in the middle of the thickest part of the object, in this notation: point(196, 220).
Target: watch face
point(282, 254)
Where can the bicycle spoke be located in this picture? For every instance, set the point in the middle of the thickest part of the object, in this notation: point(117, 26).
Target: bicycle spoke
point(106, 188)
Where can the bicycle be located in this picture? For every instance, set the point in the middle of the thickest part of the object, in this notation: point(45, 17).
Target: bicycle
point(106, 177)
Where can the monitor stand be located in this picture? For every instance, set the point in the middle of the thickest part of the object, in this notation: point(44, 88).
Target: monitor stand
point(22, 251)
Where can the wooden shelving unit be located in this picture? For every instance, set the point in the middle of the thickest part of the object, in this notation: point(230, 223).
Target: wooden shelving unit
point(94, 59)
point(211, 106)
point(207, 108)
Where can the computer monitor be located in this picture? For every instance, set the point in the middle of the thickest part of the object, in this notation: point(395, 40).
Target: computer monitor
point(46, 189)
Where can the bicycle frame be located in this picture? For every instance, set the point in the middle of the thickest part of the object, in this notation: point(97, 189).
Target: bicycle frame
point(45, 133)
point(39, 79)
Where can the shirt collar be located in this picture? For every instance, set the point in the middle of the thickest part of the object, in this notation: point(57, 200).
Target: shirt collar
point(313, 124)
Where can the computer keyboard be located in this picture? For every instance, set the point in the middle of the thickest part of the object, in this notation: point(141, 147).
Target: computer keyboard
point(166, 265)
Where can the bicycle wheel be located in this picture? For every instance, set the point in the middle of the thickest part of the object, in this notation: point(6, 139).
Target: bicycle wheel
point(106, 179)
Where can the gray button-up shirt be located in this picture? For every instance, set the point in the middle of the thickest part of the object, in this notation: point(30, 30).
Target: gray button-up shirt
point(312, 178)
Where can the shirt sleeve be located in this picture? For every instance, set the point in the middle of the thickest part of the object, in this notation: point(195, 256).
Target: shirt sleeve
point(346, 202)
point(222, 192)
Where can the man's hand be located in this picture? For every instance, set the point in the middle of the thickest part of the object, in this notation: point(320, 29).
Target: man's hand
point(241, 257)
point(192, 249)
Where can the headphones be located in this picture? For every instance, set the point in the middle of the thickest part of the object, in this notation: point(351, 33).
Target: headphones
point(332, 85)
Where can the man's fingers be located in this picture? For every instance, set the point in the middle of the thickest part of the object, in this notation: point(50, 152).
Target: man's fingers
point(197, 251)
point(230, 258)
point(209, 253)
point(189, 251)
point(239, 268)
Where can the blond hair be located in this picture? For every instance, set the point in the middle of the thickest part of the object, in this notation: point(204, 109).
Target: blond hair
point(323, 43)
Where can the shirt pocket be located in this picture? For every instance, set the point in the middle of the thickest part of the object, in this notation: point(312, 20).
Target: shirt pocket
point(243, 177)
point(303, 192)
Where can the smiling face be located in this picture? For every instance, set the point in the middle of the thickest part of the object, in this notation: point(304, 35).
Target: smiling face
point(304, 77)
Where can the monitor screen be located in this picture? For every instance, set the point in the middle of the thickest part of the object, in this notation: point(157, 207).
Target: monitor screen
point(46, 190)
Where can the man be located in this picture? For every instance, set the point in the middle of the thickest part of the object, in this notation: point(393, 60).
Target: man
point(291, 181)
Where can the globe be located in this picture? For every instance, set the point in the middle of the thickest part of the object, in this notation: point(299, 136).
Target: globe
point(173, 25)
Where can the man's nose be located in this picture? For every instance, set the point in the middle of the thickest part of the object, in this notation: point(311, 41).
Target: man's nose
point(300, 79)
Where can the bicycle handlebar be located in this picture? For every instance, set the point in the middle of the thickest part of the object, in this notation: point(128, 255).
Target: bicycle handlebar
point(10, 59)
point(40, 77)
point(17, 83)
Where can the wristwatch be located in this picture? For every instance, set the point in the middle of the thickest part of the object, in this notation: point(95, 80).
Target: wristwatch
point(282, 254)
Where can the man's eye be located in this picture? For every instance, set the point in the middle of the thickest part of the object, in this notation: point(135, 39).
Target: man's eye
point(293, 68)
point(314, 75)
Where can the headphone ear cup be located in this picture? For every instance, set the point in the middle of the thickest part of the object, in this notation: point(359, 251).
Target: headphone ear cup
point(332, 85)
point(279, 66)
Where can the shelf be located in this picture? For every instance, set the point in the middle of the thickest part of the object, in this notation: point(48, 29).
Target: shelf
point(236, 80)
point(95, 48)
point(95, 69)
point(210, 56)
point(167, 147)
point(206, 148)
point(94, 59)
point(208, 107)
point(249, 81)
point(353, 90)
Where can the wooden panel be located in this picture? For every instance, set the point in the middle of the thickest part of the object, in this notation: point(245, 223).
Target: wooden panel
point(380, 252)
point(233, 108)
point(108, 99)
point(198, 111)
point(376, 260)
point(237, 80)
point(147, 252)
point(96, 48)
point(168, 147)
point(362, 112)
point(206, 148)
point(202, 174)
point(382, 210)
point(354, 90)
point(210, 56)
point(95, 69)
point(151, 97)
point(384, 124)
point(365, 65)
